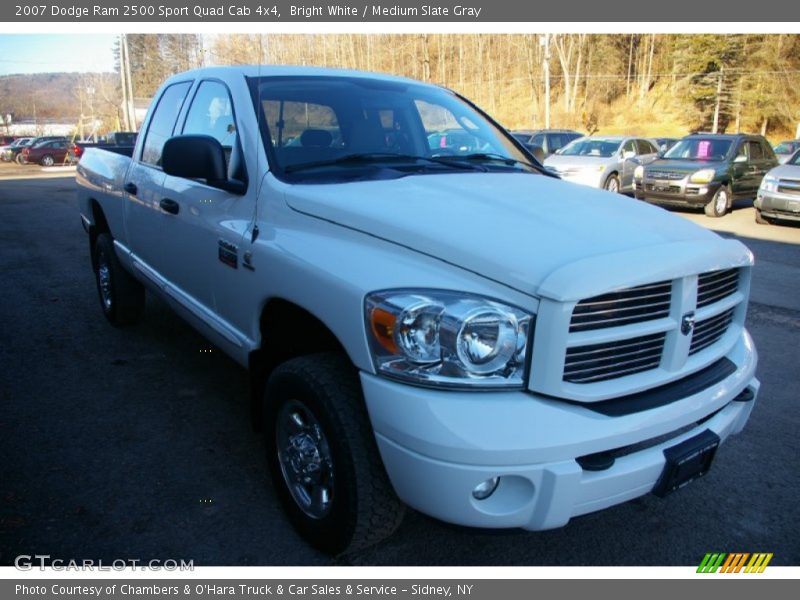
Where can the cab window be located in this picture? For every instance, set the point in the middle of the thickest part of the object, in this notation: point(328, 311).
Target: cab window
point(162, 123)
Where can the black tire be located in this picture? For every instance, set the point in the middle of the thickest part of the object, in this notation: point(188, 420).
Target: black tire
point(719, 204)
point(323, 392)
point(121, 296)
point(761, 219)
point(47, 160)
point(612, 184)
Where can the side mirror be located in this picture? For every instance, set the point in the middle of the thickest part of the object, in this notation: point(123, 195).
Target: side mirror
point(740, 159)
point(628, 154)
point(199, 157)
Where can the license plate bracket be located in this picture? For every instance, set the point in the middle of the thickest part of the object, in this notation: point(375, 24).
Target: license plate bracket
point(686, 462)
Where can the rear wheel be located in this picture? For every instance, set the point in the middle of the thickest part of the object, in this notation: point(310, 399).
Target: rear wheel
point(121, 296)
point(20, 159)
point(47, 161)
point(323, 458)
point(718, 205)
point(612, 183)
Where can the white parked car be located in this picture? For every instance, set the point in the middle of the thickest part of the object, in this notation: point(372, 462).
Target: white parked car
point(453, 330)
point(779, 194)
point(606, 162)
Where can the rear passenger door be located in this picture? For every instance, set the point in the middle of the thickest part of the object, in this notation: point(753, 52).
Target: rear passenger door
point(202, 239)
point(143, 188)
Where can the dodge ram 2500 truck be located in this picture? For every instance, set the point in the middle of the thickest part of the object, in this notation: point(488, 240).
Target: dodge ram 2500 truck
point(448, 328)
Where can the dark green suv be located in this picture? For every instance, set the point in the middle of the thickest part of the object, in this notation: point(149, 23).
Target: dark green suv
point(706, 170)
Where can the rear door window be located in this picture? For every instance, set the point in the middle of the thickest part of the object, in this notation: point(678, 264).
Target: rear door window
point(755, 150)
point(162, 123)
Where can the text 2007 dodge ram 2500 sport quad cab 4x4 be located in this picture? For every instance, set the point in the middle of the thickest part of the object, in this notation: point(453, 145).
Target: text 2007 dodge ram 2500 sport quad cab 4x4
point(449, 328)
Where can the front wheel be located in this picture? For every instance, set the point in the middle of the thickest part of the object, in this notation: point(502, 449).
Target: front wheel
point(121, 296)
point(612, 183)
point(761, 219)
point(323, 458)
point(47, 161)
point(718, 205)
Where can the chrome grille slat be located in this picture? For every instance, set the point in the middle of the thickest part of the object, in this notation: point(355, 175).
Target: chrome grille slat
point(605, 348)
point(634, 354)
point(614, 359)
point(584, 304)
point(705, 300)
point(709, 331)
point(623, 307)
point(716, 285)
point(618, 373)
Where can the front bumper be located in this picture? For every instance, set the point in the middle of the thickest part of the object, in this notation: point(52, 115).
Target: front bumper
point(778, 206)
point(438, 445)
point(676, 193)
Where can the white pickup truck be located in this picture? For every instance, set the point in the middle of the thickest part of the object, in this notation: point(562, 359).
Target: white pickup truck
point(427, 316)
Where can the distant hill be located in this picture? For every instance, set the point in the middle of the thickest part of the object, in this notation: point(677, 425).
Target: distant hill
point(54, 95)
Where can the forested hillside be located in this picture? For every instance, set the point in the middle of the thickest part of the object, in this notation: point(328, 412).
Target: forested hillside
point(652, 84)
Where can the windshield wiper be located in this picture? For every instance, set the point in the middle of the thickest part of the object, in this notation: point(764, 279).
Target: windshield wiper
point(488, 156)
point(378, 157)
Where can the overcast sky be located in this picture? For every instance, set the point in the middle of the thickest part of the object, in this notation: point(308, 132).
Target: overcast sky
point(27, 53)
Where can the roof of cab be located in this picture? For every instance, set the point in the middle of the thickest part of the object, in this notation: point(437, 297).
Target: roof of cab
point(226, 72)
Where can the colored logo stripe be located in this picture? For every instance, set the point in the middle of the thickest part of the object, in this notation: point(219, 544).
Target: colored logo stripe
point(734, 562)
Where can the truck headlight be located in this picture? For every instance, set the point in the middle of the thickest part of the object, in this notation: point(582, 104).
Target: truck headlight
point(638, 172)
point(769, 184)
point(447, 339)
point(702, 176)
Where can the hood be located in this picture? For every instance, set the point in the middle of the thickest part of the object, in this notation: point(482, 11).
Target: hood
point(570, 163)
point(683, 166)
point(785, 172)
point(512, 228)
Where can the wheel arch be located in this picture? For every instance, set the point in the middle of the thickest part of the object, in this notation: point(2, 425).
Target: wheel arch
point(287, 330)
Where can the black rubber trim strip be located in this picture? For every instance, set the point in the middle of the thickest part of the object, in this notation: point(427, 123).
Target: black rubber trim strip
point(665, 394)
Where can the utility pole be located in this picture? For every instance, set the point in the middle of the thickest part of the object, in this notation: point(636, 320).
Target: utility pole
point(130, 105)
point(545, 42)
point(123, 84)
point(715, 129)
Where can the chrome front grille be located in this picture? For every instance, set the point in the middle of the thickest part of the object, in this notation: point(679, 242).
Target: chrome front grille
point(716, 285)
point(666, 175)
point(600, 362)
point(627, 331)
point(789, 186)
point(632, 305)
point(708, 331)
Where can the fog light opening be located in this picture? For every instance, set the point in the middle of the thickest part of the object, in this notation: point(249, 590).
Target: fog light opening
point(485, 489)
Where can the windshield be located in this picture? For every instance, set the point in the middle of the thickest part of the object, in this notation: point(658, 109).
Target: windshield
point(794, 160)
point(348, 127)
point(591, 147)
point(786, 148)
point(700, 149)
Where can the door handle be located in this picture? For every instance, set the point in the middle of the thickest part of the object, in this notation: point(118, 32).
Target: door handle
point(170, 206)
point(131, 188)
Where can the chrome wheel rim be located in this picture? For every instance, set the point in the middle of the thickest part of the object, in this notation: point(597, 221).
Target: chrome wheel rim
point(48, 161)
point(612, 185)
point(104, 280)
point(721, 202)
point(305, 459)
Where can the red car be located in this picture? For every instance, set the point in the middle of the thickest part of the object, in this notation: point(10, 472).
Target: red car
point(48, 153)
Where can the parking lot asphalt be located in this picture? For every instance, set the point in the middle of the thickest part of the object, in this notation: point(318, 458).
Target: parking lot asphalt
point(137, 444)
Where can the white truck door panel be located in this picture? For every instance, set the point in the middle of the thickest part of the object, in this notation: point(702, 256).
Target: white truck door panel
point(144, 184)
